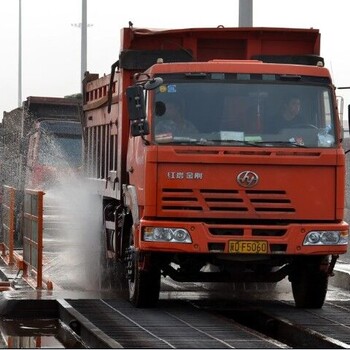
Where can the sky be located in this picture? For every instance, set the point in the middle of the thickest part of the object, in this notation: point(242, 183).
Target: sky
point(51, 43)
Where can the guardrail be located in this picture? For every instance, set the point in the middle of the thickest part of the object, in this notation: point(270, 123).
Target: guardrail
point(33, 240)
point(8, 227)
point(31, 262)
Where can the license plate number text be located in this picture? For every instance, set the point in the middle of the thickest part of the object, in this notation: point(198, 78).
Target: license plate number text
point(248, 247)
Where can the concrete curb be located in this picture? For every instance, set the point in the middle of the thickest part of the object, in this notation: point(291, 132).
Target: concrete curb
point(341, 279)
point(27, 308)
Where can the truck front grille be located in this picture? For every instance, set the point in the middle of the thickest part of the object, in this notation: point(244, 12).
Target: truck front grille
point(215, 201)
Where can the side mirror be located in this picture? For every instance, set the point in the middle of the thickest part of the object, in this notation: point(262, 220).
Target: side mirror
point(136, 102)
point(160, 108)
point(153, 83)
point(137, 111)
point(139, 128)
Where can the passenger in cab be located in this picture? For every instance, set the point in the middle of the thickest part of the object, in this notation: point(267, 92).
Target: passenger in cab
point(289, 117)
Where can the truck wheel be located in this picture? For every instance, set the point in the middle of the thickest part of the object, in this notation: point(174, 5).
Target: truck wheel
point(144, 286)
point(309, 288)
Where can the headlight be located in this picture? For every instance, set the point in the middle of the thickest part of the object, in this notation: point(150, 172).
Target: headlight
point(326, 238)
point(166, 234)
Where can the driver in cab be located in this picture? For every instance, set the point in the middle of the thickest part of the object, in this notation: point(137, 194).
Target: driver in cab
point(170, 121)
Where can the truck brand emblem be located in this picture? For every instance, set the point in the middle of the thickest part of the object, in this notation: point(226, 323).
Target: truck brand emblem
point(247, 178)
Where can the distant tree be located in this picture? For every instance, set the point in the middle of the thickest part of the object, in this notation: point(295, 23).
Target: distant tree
point(77, 96)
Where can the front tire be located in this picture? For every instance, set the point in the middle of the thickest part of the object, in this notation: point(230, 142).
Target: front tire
point(309, 286)
point(144, 285)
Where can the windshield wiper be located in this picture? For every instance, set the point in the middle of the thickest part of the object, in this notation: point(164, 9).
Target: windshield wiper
point(204, 141)
point(187, 139)
point(281, 143)
point(238, 142)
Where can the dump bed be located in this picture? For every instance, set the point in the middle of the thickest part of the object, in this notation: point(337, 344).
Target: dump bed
point(140, 48)
point(52, 108)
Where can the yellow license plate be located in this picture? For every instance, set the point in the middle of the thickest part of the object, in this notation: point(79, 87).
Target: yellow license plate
point(248, 247)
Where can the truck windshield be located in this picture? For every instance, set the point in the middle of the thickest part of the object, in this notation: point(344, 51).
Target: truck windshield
point(61, 151)
point(265, 111)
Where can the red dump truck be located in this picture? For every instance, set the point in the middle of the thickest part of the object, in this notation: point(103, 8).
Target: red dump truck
point(243, 194)
point(40, 140)
point(41, 144)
